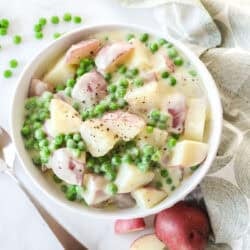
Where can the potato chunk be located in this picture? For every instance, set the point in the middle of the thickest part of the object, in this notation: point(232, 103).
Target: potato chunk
point(60, 73)
point(64, 118)
point(124, 124)
point(188, 153)
point(130, 177)
point(144, 98)
point(148, 197)
point(195, 119)
point(98, 137)
point(38, 87)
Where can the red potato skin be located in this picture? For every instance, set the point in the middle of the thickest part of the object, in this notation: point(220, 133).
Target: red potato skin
point(182, 227)
point(130, 225)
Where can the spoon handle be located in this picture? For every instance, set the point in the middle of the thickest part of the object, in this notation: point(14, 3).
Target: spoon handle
point(67, 240)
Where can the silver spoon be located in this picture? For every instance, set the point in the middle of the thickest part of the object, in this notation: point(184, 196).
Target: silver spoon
point(7, 158)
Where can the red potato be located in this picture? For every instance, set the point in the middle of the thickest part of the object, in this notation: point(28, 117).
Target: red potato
point(124, 124)
point(90, 89)
point(81, 50)
point(148, 242)
point(111, 55)
point(67, 167)
point(38, 87)
point(130, 225)
point(176, 106)
point(182, 227)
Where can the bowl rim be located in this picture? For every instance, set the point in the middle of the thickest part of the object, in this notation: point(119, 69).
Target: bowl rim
point(217, 117)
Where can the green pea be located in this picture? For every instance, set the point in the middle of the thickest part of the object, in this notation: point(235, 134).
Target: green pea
point(43, 115)
point(112, 88)
point(164, 172)
point(134, 71)
point(36, 161)
point(100, 108)
point(162, 125)
point(173, 188)
point(97, 169)
point(151, 122)
point(149, 129)
point(172, 53)
point(116, 160)
point(67, 17)
point(47, 96)
point(162, 41)
point(77, 137)
point(29, 143)
point(155, 114)
point(127, 158)
point(84, 115)
point(107, 76)
point(13, 63)
point(76, 152)
point(123, 83)
point(156, 156)
point(112, 188)
point(42, 21)
point(171, 142)
point(39, 35)
point(164, 74)
point(76, 106)
point(106, 167)
point(71, 193)
point(38, 28)
point(130, 36)
point(122, 69)
point(71, 143)
point(59, 140)
point(56, 179)
point(144, 37)
point(68, 91)
point(81, 146)
point(17, 39)
point(168, 45)
point(134, 152)
point(172, 81)
point(153, 47)
point(138, 82)
point(111, 175)
point(113, 106)
point(4, 23)
point(169, 180)
point(39, 134)
point(3, 31)
point(7, 73)
point(90, 163)
point(176, 136)
point(143, 166)
point(91, 113)
point(43, 143)
point(77, 19)
point(68, 137)
point(120, 92)
point(25, 131)
point(80, 71)
point(54, 19)
point(178, 61)
point(148, 150)
point(60, 88)
point(64, 188)
point(163, 117)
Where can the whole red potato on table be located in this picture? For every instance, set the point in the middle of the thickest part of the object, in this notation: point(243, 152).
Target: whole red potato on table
point(182, 227)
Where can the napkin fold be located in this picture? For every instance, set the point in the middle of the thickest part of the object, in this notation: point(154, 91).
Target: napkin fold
point(219, 31)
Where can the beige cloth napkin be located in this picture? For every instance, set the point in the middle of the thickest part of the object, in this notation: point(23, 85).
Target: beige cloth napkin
point(220, 32)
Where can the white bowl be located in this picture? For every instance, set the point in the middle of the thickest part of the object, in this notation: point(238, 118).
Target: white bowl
point(40, 63)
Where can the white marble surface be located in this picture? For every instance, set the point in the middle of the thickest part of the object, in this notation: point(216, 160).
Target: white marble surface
point(21, 228)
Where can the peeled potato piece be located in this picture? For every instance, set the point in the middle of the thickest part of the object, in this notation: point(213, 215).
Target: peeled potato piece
point(95, 189)
point(112, 55)
point(90, 89)
point(188, 153)
point(124, 124)
point(130, 177)
point(98, 137)
point(67, 167)
point(148, 197)
point(144, 98)
point(195, 119)
point(60, 73)
point(64, 118)
point(81, 50)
